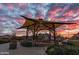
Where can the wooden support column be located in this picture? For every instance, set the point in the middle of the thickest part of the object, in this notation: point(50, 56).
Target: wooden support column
point(37, 30)
point(49, 35)
point(27, 33)
point(54, 34)
point(33, 35)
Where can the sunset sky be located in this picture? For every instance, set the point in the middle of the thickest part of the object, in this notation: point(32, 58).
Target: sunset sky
point(10, 14)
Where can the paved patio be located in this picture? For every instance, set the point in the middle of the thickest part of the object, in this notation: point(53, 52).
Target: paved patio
point(4, 49)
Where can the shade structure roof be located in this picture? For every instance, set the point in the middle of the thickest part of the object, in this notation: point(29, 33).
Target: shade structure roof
point(41, 24)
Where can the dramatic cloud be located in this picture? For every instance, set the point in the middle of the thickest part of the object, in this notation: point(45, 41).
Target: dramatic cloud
point(10, 13)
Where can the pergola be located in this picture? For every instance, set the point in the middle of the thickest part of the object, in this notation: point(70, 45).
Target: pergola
point(39, 24)
point(36, 25)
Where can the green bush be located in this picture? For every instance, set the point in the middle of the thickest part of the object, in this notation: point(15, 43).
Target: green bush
point(62, 50)
point(26, 43)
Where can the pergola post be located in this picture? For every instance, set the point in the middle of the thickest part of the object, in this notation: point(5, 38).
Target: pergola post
point(54, 34)
point(49, 35)
point(33, 35)
point(27, 33)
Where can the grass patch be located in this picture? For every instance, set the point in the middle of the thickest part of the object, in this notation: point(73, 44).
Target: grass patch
point(26, 43)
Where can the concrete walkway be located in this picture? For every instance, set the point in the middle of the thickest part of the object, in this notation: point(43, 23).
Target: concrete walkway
point(4, 49)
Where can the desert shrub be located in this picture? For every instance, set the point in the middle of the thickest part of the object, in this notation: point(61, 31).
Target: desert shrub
point(75, 42)
point(13, 45)
point(2, 42)
point(62, 50)
point(26, 43)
